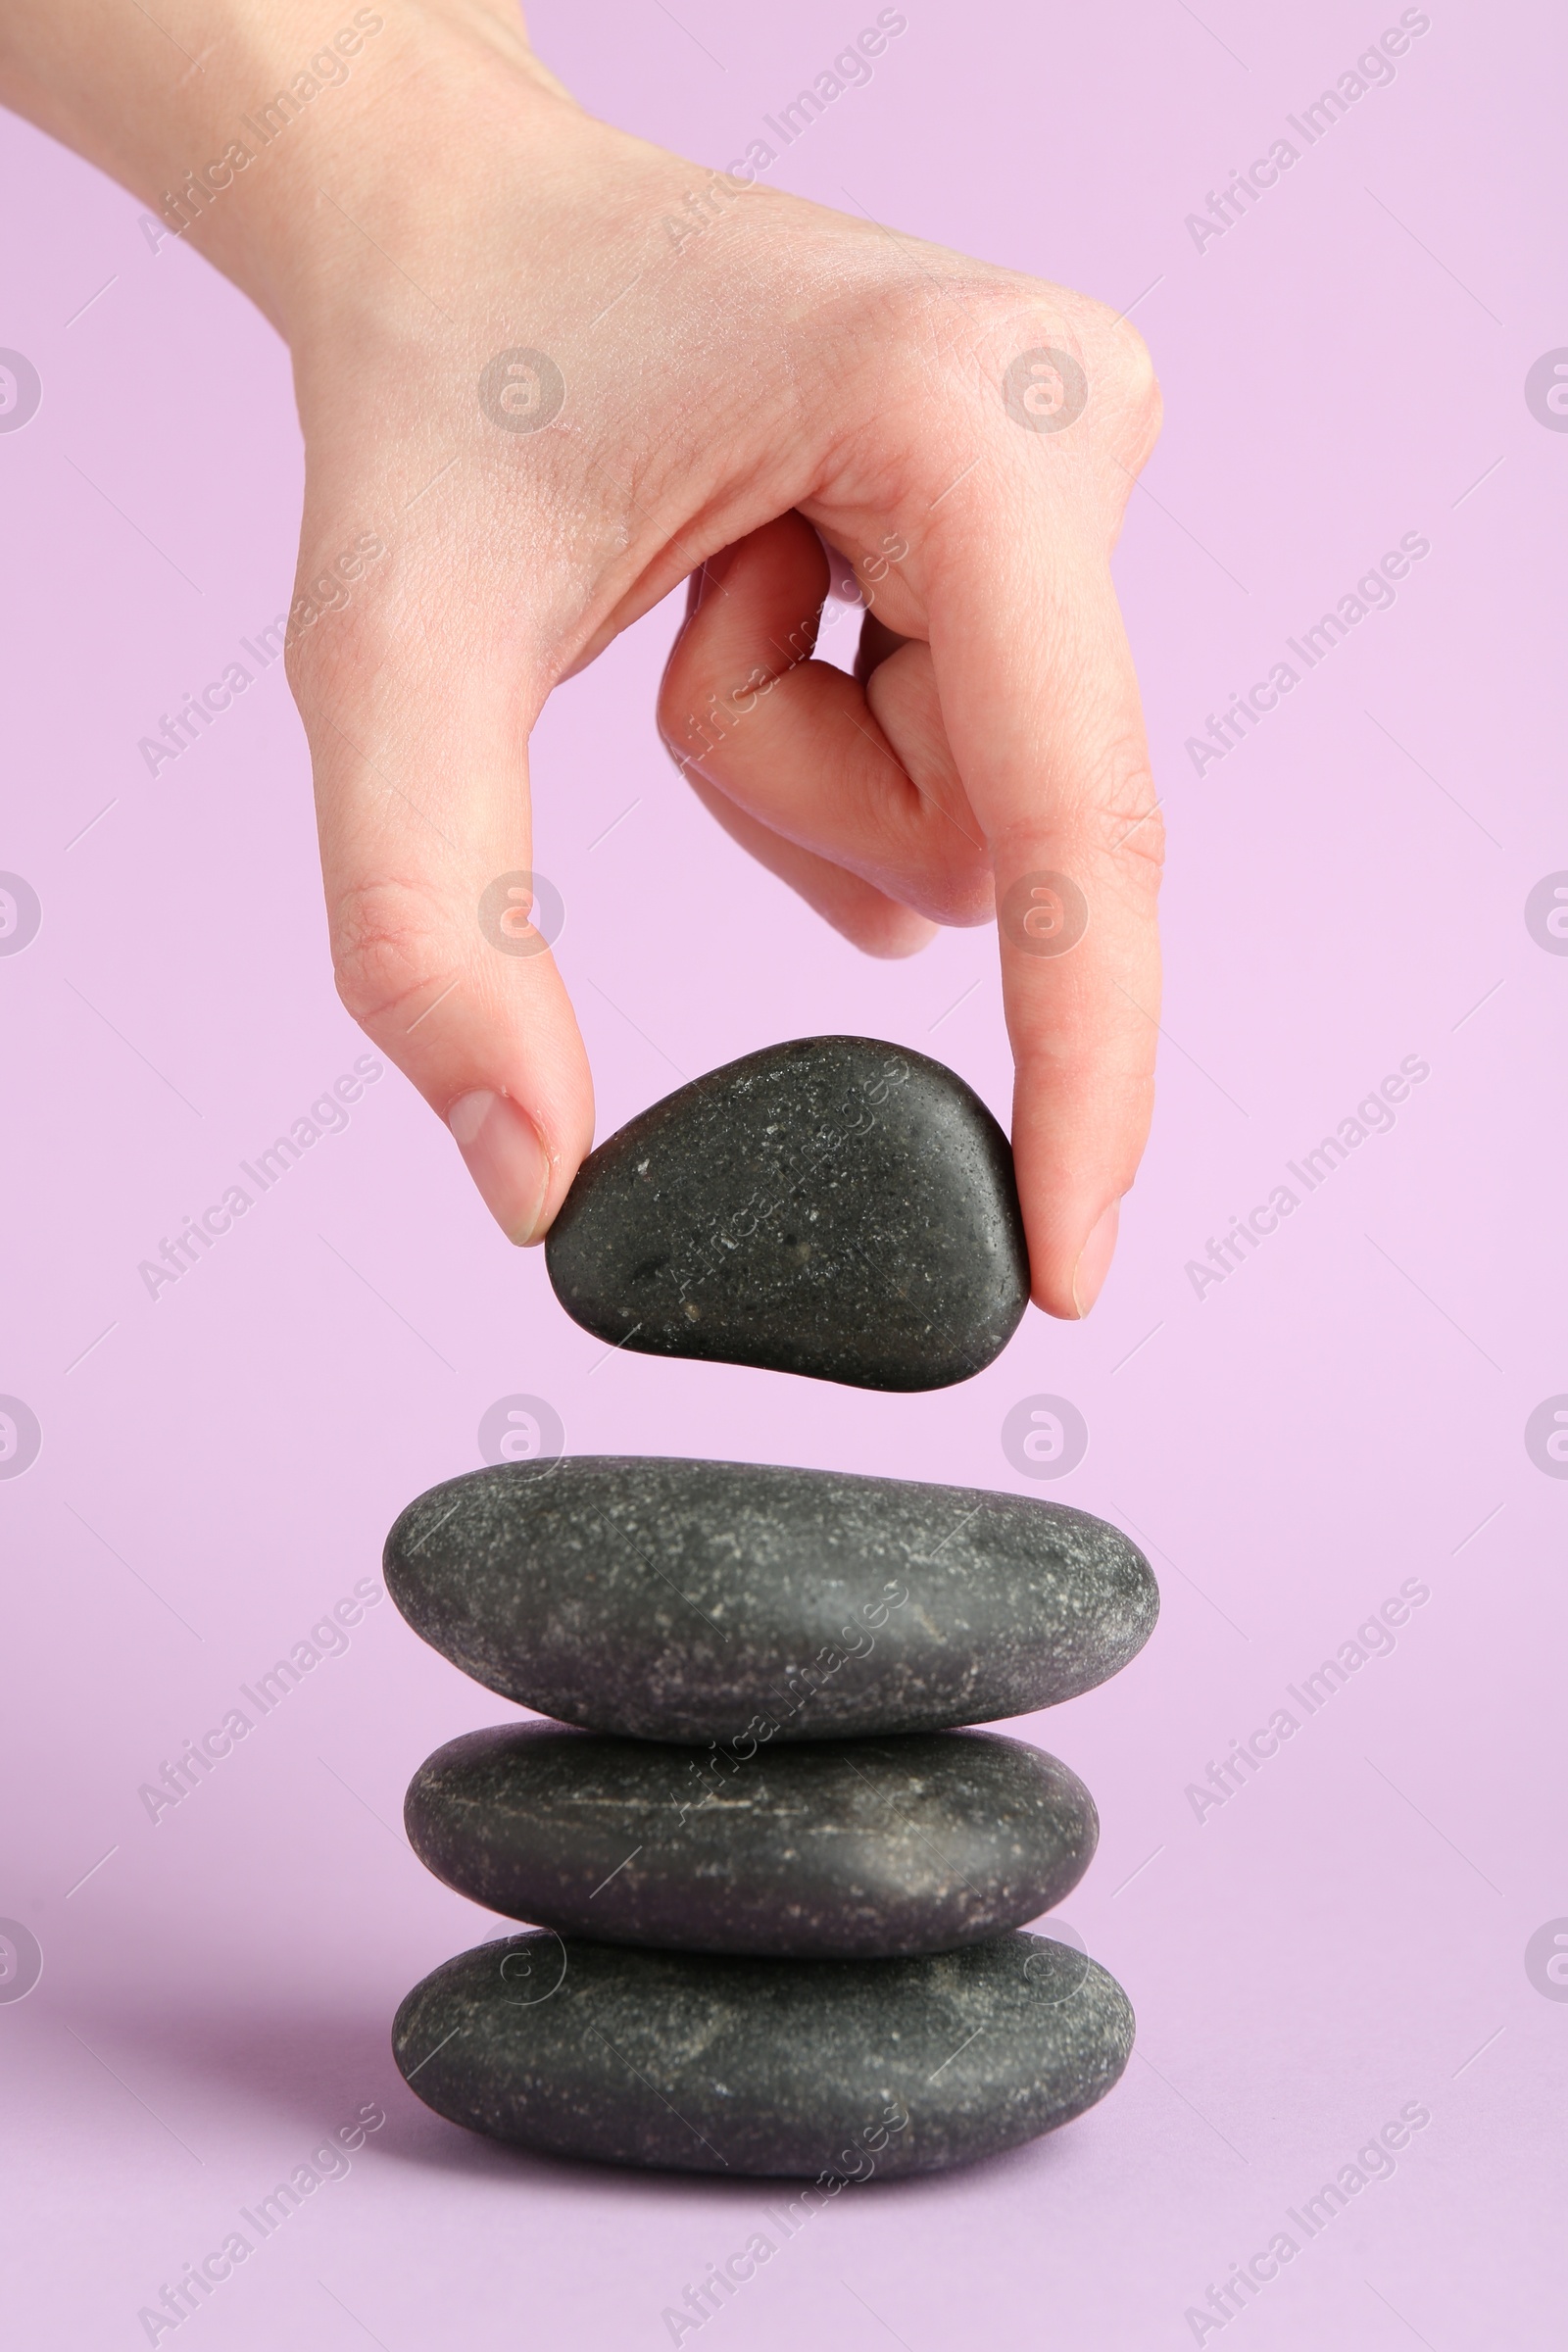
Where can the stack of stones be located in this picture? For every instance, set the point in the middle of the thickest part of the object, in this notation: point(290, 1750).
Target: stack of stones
point(776, 1891)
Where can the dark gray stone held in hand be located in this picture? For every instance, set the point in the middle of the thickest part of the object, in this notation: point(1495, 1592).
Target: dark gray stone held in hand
point(833, 1849)
point(835, 1208)
point(830, 2070)
point(733, 1601)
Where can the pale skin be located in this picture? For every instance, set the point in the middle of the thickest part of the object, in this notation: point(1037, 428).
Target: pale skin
point(786, 377)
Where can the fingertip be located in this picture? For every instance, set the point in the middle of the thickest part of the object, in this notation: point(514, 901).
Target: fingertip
point(890, 932)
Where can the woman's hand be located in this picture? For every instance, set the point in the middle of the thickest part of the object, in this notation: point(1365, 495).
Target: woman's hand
point(550, 372)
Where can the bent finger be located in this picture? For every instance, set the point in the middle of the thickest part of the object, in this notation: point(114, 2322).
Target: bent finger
point(808, 752)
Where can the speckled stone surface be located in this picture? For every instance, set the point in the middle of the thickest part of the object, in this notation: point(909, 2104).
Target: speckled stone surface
point(832, 1849)
point(721, 1600)
point(831, 2069)
point(835, 1208)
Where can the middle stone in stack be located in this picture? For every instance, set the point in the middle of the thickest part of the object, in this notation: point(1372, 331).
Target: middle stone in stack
point(765, 1666)
point(826, 1850)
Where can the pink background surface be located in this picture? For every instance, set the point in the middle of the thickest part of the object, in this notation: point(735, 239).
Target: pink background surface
point(1346, 1934)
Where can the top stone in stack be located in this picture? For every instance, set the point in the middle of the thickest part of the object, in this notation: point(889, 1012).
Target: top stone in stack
point(834, 1207)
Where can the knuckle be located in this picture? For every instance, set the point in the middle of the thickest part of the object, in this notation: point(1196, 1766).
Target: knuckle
point(1124, 396)
point(386, 938)
point(1123, 407)
point(1122, 357)
point(339, 650)
point(1122, 826)
point(1131, 831)
point(1140, 840)
point(1137, 384)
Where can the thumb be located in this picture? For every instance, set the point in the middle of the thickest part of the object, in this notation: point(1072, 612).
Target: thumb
point(441, 932)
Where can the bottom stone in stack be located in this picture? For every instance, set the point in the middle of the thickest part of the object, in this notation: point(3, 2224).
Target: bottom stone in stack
point(707, 2063)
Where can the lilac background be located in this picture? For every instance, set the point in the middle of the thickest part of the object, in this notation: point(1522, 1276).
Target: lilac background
point(1347, 1933)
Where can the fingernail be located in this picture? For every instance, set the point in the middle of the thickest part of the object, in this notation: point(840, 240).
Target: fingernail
point(1093, 1260)
point(500, 1147)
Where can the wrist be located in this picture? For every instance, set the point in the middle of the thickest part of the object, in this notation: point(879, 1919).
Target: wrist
point(344, 186)
point(232, 121)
